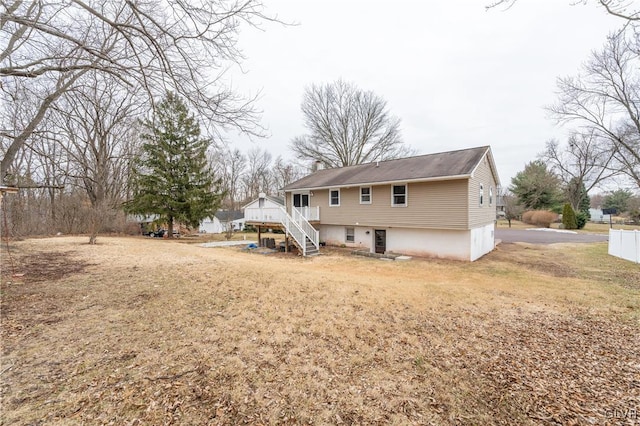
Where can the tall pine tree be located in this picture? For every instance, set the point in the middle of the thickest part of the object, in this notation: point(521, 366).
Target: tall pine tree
point(172, 178)
point(536, 187)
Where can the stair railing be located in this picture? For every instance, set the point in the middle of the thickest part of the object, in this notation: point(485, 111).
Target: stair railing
point(295, 230)
point(311, 232)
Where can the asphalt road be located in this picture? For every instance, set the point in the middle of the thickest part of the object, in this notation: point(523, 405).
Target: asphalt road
point(539, 236)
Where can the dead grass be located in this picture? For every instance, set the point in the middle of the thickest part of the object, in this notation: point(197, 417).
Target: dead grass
point(147, 331)
point(590, 227)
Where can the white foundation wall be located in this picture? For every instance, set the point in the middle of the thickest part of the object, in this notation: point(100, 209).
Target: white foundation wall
point(442, 243)
point(482, 241)
point(337, 235)
point(466, 245)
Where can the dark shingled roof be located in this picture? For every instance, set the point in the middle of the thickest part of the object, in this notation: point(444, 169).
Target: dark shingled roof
point(227, 215)
point(424, 167)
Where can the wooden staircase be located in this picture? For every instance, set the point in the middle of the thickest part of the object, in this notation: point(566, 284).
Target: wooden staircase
point(305, 236)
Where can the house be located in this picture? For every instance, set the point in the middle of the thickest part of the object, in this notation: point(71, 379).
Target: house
point(441, 205)
point(223, 221)
point(598, 216)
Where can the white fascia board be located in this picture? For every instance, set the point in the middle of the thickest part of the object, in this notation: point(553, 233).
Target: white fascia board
point(391, 182)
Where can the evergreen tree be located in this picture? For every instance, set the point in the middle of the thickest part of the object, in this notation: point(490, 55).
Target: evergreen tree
point(618, 199)
point(536, 187)
point(172, 178)
point(569, 217)
point(585, 201)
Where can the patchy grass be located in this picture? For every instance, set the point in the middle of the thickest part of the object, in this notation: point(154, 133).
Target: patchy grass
point(149, 331)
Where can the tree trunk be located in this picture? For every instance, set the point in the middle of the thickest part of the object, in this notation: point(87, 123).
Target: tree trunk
point(170, 227)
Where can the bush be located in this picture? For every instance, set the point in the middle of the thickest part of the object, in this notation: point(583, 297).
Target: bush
point(250, 228)
point(569, 217)
point(526, 217)
point(542, 218)
point(581, 219)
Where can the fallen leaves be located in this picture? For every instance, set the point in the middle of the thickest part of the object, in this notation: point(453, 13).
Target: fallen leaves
point(268, 341)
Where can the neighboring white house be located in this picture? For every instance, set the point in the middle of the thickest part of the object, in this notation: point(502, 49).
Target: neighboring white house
point(596, 215)
point(222, 220)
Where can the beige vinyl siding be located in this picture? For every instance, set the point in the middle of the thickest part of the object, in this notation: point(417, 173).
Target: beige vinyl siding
point(441, 204)
point(482, 215)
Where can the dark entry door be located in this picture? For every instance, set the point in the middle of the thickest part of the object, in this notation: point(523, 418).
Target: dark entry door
point(381, 240)
point(300, 200)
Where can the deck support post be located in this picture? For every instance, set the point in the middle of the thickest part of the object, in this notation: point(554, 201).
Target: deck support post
point(286, 242)
point(259, 234)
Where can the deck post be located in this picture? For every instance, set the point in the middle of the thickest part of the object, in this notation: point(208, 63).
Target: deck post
point(259, 240)
point(286, 242)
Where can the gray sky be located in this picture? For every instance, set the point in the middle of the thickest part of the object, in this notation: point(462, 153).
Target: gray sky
point(456, 75)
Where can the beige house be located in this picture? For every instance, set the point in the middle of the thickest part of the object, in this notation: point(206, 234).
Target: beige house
point(441, 205)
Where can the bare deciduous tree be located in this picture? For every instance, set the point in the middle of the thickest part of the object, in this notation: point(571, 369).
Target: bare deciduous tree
point(97, 130)
point(47, 48)
point(347, 126)
point(231, 166)
point(257, 178)
point(512, 208)
point(625, 9)
point(604, 101)
point(584, 160)
point(284, 173)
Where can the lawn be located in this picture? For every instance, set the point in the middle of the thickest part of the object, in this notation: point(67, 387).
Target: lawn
point(152, 331)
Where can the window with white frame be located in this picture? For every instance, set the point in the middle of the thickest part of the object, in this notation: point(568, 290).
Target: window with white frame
point(491, 195)
point(398, 195)
point(481, 195)
point(334, 197)
point(365, 195)
point(350, 235)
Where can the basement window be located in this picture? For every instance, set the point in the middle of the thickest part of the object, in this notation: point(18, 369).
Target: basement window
point(350, 235)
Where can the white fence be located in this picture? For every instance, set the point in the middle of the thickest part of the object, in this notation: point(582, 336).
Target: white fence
point(625, 244)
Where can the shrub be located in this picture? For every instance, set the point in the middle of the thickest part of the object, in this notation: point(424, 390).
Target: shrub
point(569, 217)
point(526, 217)
point(542, 218)
point(581, 219)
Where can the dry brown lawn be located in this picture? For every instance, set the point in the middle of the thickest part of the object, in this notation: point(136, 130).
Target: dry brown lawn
point(150, 331)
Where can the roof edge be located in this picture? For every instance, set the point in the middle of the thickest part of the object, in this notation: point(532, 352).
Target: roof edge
point(433, 179)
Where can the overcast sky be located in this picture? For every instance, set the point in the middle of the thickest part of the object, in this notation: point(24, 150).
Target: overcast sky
point(456, 75)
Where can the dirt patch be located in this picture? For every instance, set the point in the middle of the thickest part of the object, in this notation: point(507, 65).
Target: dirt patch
point(158, 332)
point(535, 258)
point(46, 266)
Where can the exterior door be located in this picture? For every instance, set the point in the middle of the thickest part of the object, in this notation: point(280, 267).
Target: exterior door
point(380, 240)
point(300, 200)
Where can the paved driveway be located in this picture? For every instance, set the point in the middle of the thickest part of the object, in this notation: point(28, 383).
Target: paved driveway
point(546, 236)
